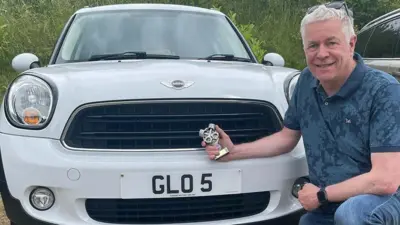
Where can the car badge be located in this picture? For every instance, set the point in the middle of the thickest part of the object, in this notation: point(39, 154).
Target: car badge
point(177, 84)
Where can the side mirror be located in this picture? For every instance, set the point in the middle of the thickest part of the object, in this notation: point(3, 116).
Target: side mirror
point(273, 59)
point(25, 61)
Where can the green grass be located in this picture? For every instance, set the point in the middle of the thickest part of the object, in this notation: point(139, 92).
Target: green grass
point(269, 26)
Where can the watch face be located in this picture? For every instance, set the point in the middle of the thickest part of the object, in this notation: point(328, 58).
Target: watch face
point(321, 196)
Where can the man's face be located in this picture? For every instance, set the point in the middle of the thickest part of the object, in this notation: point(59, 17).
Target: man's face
point(327, 52)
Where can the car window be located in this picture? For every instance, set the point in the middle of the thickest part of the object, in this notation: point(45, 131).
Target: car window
point(72, 36)
point(383, 41)
point(186, 34)
point(362, 40)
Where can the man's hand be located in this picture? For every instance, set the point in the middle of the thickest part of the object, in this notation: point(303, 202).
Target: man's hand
point(224, 141)
point(308, 197)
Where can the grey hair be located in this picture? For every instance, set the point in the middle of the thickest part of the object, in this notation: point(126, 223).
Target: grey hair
point(323, 13)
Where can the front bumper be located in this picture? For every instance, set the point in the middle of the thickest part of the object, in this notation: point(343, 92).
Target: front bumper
point(76, 176)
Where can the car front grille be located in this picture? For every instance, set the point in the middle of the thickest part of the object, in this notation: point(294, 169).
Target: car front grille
point(176, 210)
point(166, 124)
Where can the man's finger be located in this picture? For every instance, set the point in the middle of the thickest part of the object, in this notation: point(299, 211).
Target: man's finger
point(221, 132)
point(212, 148)
point(300, 193)
point(213, 152)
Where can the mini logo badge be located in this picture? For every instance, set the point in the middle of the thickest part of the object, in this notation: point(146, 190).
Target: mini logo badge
point(177, 84)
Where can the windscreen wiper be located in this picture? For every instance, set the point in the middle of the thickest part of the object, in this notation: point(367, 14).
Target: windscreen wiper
point(132, 55)
point(226, 57)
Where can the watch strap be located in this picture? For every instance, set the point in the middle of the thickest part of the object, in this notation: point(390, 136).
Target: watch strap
point(322, 196)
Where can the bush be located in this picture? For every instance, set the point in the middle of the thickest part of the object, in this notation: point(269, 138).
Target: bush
point(33, 26)
point(249, 34)
point(268, 25)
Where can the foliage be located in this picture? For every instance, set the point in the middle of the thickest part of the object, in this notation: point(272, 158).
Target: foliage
point(367, 10)
point(249, 33)
point(268, 25)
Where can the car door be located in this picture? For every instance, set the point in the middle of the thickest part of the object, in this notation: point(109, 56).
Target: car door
point(380, 50)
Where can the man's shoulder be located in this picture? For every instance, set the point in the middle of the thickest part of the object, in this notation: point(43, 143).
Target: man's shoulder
point(378, 78)
point(306, 72)
point(305, 76)
point(381, 86)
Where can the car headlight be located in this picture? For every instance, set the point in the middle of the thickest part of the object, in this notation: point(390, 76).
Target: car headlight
point(29, 102)
point(290, 84)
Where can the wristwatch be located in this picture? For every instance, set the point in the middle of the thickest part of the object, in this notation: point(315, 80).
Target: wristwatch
point(322, 196)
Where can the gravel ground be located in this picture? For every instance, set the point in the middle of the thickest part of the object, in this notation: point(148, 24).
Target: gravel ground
point(3, 217)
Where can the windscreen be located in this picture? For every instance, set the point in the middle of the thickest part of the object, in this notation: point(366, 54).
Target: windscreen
point(189, 35)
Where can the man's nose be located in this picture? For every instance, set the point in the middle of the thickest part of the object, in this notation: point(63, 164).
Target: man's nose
point(323, 52)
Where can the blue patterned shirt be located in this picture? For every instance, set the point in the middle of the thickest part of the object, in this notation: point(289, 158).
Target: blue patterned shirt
point(340, 132)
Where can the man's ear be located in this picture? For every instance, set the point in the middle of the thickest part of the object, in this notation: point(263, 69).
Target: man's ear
point(353, 41)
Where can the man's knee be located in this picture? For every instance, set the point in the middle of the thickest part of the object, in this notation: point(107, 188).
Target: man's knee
point(351, 211)
point(368, 209)
point(387, 213)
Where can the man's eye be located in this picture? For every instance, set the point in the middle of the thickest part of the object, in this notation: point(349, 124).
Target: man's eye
point(332, 43)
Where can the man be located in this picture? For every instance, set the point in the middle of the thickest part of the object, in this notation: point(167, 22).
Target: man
point(349, 117)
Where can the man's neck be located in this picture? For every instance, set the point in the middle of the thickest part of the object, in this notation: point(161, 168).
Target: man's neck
point(333, 86)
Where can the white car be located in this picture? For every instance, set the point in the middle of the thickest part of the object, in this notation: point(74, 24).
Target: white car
point(108, 131)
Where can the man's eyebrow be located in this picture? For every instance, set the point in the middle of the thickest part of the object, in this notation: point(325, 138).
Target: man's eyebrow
point(332, 38)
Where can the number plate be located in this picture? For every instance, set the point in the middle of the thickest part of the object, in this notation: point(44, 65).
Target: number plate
point(180, 184)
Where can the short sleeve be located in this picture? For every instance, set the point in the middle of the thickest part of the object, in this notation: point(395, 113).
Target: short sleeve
point(385, 120)
point(291, 119)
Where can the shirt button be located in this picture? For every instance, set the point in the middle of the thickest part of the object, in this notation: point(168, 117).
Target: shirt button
point(326, 103)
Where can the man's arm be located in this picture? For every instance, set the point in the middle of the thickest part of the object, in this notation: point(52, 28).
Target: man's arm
point(279, 143)
point(384, 177)
point(276, 144)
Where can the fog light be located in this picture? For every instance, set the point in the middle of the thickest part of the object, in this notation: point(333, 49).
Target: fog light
point(42, 198)
point(298, 185)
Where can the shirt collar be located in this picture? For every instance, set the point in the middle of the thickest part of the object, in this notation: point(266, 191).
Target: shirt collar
point(354, 80)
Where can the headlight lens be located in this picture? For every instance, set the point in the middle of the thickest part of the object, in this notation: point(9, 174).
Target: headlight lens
point(30, 102)
point(290, 84)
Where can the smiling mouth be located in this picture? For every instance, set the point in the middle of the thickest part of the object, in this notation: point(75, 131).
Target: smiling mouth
point(325, 65)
